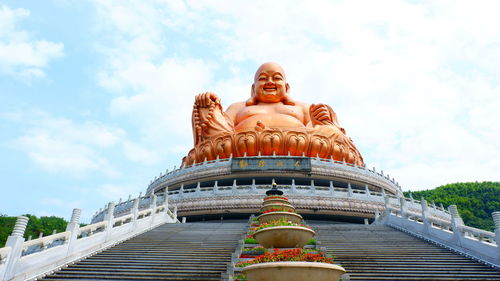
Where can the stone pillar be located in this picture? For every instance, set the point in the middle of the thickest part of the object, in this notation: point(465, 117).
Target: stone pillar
point(402, 207)
point(181, 191)
point(254, 187)
point(313, 187)
point(198, 187)
point(456, 223)
point(332, 189)
point(175, 213)
point(73, 226)
point(425, 214)
point(496, 220)
point(349, 189)
point(455, 216)
point(367, 191)
point(387, 205)
point(293, 188)
point(154, 198)
point(234, 188)
point(377, 214)
point(183, 219)
point(135, 214)
point(15, 242)
point(110, 218)
point(165, 201)
point(411, 199)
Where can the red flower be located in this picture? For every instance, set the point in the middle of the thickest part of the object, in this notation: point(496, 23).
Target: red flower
point(288, 255)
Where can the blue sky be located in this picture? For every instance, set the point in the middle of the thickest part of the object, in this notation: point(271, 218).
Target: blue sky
point(96, 95)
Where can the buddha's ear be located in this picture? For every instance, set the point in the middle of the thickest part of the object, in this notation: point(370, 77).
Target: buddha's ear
point(287, 99)
point(253, 97)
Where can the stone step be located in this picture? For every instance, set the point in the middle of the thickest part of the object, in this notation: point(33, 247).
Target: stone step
point(191, 251)
point(371, 252)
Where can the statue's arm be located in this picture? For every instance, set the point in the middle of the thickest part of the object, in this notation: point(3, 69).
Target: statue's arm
point(208, 119)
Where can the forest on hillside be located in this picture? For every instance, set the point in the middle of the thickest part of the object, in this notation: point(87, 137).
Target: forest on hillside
point(35, 227)
point(475, 201)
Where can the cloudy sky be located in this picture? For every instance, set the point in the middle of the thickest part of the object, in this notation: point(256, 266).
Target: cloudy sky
point(95, 96)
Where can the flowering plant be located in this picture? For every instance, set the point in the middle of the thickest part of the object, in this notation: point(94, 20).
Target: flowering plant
point(287, 255)
point(275, 197)
point(278, 222)
point(278, 210)
point(250, 240)
point(312, 241)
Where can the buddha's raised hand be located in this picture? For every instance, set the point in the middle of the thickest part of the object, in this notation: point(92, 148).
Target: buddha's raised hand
point(321, 114)
point(206, 99)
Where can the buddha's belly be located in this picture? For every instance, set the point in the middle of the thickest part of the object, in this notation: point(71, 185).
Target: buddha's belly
point(270, 120)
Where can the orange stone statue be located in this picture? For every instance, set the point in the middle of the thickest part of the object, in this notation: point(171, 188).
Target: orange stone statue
point(270, 122)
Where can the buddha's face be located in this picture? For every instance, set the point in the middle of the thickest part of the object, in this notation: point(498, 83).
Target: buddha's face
point(270, 83)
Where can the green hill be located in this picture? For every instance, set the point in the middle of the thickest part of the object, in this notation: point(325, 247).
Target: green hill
point(475, 201)
point(45, 225)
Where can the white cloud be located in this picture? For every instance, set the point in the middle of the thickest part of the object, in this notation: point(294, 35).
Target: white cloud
point(139, 153)
point(60, 145)
point(21, 55)
point(116, 191)
point(414, 83)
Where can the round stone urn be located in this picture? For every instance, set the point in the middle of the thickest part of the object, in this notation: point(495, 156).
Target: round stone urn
point(288, 216)
point(284, 236)
point(293, 271)
point(284, 206)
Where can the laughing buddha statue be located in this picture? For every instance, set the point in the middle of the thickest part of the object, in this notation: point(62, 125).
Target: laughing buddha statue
point(270, 122)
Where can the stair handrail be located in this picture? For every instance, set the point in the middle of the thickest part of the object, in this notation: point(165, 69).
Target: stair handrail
point(21, 260)
point(47, 239)
point(481, 245)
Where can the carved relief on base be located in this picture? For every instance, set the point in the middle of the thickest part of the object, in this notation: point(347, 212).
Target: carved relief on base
point(275, 141)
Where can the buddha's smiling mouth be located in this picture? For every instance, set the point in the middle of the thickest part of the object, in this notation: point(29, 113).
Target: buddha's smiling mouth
point(270, 88)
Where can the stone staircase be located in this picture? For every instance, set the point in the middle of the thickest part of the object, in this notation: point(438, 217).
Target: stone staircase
point(190, 251)
point(370, 252)
point(201, 251)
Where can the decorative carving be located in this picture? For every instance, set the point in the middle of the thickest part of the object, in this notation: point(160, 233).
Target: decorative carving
point(247, 144)
point(320, 146)
point(296, 143)
point(271, 141)
point(223, 146)
point(270, 122)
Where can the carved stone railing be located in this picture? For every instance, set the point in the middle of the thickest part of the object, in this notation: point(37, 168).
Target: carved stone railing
point(248, 196)
point(320, 166)
point(469, 241)
point(24, 260)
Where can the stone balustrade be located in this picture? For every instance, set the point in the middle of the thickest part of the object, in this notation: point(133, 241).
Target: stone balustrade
point(320, 166)
point(453, 234)
point(23, 260)
point(236, 197)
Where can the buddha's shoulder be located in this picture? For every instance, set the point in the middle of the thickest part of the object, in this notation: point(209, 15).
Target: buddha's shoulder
point(235, 107)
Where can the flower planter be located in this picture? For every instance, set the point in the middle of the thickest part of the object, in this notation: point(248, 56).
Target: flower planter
point(284, 206)
point(275, 201)
point(267, 217)
point(284, 237)
point(293, 271)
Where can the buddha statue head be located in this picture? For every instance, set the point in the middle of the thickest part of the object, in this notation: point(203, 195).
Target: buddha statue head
point(270, 85)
